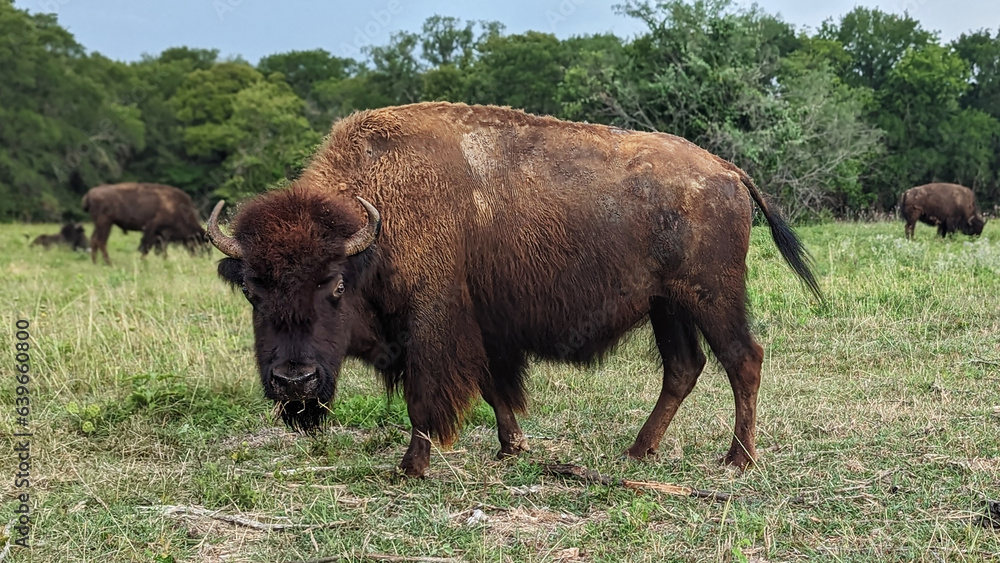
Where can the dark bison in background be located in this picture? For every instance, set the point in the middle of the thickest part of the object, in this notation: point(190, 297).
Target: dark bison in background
point(949, 207)
point(71, 235)
point(448, 244)
point(164, 214)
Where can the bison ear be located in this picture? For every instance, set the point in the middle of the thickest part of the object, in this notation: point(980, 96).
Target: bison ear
point(231, 271)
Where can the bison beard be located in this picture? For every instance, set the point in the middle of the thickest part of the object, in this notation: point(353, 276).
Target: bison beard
point(305, 416)
point(506, 237)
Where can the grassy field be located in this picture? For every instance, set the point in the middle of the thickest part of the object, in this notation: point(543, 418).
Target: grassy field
point(878, 426)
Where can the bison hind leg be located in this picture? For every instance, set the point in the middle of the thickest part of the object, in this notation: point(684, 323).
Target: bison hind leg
point(504, 391)
point(724, 325)
point(679, 345)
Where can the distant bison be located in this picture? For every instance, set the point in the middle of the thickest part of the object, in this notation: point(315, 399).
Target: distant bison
point(447, 244)
point(949, 207)
point(164, 214)
point(71, 235)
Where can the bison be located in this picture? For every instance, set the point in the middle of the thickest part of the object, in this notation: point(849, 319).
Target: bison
point(164, 214)
point(71, 235)
point(949, 207)
point(447, 244)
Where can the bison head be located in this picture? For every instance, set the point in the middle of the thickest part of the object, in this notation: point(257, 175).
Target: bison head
point(73, 234)
point(974, 226)
point(297, 256)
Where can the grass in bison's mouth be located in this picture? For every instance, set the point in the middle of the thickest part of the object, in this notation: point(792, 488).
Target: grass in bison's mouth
point(877, 424)
point(306, 416)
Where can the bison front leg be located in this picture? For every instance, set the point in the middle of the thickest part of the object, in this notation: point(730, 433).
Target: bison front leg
point(417, 458)
point(99, 241)
point(512, 440)
point(444, 364)
point(504, 391)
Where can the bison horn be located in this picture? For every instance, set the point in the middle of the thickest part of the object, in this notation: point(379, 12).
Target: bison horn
point(227, 244)
point(364, 238)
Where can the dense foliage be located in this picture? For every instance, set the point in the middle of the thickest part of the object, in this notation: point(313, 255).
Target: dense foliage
point(835, 122)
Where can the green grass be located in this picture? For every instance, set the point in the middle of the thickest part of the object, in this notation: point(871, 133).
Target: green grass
point(878, 425)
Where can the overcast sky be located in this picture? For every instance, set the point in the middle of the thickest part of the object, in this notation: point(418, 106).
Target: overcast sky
point(125, 29)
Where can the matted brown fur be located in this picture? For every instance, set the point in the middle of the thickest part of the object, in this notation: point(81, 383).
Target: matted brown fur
point(505, 236)
point(949, 207)
point(163, 213)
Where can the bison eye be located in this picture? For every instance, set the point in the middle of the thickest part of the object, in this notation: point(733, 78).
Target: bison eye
point(339, 290)
point(245, 290)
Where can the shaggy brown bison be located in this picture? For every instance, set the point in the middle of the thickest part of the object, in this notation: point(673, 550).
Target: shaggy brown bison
point(447, 244)
point(949, 207)
point(71, 235)
point(164, 214)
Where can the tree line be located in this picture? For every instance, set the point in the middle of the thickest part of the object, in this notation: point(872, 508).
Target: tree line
point(833, 122)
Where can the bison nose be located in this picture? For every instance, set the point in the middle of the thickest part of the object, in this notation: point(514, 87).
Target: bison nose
point(294, 374)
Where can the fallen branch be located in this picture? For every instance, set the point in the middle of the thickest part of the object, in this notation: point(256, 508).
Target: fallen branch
point(168, 510)
point(579, 472)
point(590, 475)
point(381, 557)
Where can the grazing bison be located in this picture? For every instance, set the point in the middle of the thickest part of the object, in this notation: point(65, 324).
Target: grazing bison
point(71, 234)
point(447, 244)
point(949, 207)
point(164, 214)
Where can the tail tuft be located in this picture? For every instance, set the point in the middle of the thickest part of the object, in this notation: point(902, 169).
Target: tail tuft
point(785, 239)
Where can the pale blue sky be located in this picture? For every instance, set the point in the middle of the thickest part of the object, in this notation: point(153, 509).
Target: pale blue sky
point(124, 29)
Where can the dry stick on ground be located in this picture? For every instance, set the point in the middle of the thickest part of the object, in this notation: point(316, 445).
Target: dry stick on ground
point(237, 520)
point(381, 557)
point(585, 474)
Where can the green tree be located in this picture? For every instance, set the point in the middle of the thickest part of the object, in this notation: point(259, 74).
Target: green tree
point(982, 53)
point(395, 74)
point(920, 97)
point(61, 129)
point(305, 71)
point(875, 41)
point(272, 139)
point(971, 139)
point(204, 104)
point(717, 76)
point(447, 41)
point(522, 71)
point(164, 158)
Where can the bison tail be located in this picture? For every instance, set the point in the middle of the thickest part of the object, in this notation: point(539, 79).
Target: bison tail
point(786, 240)
point(85, 202)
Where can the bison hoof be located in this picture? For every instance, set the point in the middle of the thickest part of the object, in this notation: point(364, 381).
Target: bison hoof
point(739, 459)
point(510, 452)
point(638, 452)
point(513, 446)
point(413, 466)
point(414, 472)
